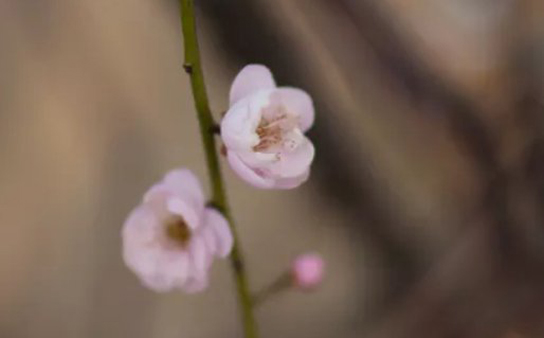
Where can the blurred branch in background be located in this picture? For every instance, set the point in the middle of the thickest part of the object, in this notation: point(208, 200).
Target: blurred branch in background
point(488, 278)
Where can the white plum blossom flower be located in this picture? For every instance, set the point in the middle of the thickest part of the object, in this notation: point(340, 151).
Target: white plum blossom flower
point(171, 238)
point(263, 131)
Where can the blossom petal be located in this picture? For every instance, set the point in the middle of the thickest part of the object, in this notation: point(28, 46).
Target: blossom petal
point(238, 126)
point(248, 174)
point(158, 282)
point(209, 238)
point(295, 163)
point(299, 102)
point(171, 271)
point(251, 79)
point(180, 268)
point(143, 262)
point(158, 191)
point(198, 254)
point(140, 224)
point(140, 234)
point(185, 183)
point(138, 231)
point(222, 233)
point(255, 159)
point(182, 184)
point(178, 206)
point(195, 285)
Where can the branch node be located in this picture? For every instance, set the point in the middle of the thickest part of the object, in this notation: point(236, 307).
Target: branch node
point(188, 68)
point(212, 204)
point(238, 265)
point(215, 129)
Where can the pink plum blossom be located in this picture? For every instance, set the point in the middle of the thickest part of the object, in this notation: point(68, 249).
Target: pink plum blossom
point(171, 238)
point(307, 271)
point(263, 131)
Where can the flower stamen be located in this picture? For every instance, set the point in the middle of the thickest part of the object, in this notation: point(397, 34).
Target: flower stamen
point(177, 230)
point(272, 131)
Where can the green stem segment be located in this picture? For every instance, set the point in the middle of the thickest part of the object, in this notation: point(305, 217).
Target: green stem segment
point(193, 67)
point(281, 284)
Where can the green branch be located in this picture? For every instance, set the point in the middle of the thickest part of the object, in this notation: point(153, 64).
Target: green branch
point(193, 67)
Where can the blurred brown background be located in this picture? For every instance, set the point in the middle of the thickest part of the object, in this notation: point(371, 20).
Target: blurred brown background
point(427, 192)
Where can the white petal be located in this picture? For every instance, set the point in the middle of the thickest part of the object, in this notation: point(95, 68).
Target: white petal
point(179, 184)
point(251, 79)
point(159, 268)
point(220, 226)
point(294, 163)
point(195, 285)
point(248, 174)
point(139, 232)
point(168, 270)
point(143, 262)
point(171, 271)
point(199, 254)
point(185, 183)
point(239, 125)
point(255, 159)
point(158, 282)
point(191, 216)
point(208, 235)
point(158, 191)
point(180, 269)
point(139, 235)
point(141, 222)
point(293, 139)
point(299, 102)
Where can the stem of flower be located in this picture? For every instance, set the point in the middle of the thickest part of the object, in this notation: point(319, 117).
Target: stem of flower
point(193, 67)
point(281, 284)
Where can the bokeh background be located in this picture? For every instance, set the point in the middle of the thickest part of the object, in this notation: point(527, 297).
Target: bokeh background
point(427, 193)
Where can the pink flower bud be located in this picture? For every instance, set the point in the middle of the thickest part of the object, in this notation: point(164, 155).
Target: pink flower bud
point(307, 271)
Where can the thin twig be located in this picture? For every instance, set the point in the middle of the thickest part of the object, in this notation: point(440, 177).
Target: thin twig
point(282, 283)
point(193, 67)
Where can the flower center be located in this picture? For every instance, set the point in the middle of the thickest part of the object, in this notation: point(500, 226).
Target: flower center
point(272, 131)
point(177, 230)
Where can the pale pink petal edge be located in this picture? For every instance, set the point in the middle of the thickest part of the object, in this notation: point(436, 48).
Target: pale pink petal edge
point(300, 102)
point(250, 79)
point(185, 182)
point(248, 174)
point(295, 163)
point(222, 233)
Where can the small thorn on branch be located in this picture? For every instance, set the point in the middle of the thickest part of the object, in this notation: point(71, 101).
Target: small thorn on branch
point(188, 68)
